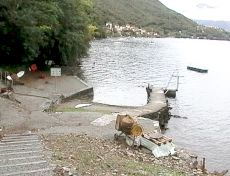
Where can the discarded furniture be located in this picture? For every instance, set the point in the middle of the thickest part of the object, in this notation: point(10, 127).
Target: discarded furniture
point(11, 78)
point(158, 148)
point(157, 138)
point(159, 145)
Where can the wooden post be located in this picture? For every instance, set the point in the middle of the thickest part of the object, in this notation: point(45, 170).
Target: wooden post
point(5, 78)
point(203, 165)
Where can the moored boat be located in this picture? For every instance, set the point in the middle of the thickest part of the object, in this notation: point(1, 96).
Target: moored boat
point(197, 69)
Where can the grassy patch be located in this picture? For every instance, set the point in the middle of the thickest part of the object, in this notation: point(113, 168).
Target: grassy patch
point(69, 109)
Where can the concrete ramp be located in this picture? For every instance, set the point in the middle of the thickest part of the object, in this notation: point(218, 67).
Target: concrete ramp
point(23, 155)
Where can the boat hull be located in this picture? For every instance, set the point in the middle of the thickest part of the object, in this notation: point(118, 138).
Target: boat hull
point(197, 69)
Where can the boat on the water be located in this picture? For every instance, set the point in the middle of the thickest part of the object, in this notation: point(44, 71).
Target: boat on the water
point(197, 69)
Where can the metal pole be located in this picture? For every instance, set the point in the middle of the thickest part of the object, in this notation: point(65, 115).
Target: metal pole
point(177, 87)
point(169, 81)
point(55, 84)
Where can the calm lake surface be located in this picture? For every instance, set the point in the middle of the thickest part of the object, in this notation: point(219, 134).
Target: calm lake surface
point(119, 69)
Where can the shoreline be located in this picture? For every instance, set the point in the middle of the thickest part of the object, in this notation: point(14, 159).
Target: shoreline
point(28, 115)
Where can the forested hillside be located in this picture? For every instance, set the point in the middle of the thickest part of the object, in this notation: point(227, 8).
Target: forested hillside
point(218, 24)
point(153, 15)
point(144, 13)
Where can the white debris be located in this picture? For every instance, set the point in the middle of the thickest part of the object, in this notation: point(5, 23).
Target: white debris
point(82, 105)
point(159, 102)
point(104, 120)
point(20, 74)
point(159, 151)
point(58, 112)
point(130, 141)
point(149, 125)
point(9, 78)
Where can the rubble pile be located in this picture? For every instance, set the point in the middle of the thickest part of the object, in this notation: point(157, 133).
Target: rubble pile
point(92, 156)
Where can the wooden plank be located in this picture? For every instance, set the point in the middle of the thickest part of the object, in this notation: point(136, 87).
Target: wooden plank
point(155, 141)
point(167, 138)
point(147, 136)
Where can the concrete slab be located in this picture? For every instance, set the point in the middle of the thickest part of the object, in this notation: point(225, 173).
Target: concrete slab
point(28, 115)
point(65, 85)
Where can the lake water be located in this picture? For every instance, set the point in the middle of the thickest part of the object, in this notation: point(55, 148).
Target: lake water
point(120, 68)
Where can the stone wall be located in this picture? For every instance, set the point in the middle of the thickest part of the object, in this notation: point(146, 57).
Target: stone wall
point(83, 94)
point(162, 116)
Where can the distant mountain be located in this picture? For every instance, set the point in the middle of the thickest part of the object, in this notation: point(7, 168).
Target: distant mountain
point(143, 13)
point(154, 16)
point(219, 24)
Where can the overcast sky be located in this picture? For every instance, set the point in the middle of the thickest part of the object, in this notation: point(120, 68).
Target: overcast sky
point(201, 9)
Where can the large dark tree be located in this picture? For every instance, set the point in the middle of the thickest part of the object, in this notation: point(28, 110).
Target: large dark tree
point(37, 30)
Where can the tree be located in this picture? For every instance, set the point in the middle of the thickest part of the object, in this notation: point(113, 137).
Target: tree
point(37, 30)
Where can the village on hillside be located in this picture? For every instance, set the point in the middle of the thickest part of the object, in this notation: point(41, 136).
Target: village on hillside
point(128, 30)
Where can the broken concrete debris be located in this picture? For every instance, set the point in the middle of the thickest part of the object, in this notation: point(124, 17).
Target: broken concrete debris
point(135, 135)
point(165, 149)
point(104, 120)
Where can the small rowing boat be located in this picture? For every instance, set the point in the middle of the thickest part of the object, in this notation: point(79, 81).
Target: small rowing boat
point(197, 69)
